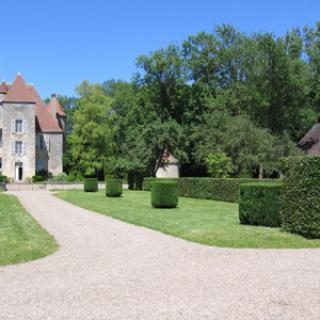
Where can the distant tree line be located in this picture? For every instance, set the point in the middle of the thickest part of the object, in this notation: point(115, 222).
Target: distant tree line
point(244, 98)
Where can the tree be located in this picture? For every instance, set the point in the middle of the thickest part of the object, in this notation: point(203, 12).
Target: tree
point(250, 148)
point(219, 165)
point(92, 139)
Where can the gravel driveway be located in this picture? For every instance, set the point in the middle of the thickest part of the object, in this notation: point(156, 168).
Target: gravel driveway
point(107, 269)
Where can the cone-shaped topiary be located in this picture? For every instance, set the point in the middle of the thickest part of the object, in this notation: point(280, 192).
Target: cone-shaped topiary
point(90, 184)
point(113, 187)
point(164, 194)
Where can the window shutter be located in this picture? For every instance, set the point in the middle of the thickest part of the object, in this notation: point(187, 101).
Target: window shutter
point(13, 126)
point(23, 149)
point(13, 148)
point(47, 142)
point(24, 126)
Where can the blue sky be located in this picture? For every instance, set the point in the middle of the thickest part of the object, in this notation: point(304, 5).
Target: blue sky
point(57, 44)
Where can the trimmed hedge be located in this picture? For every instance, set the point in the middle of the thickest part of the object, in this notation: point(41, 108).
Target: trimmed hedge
point(260, 204)
point(113, 187)
point(90, 184)
point(220, 189)
point(300, 211)
point(164, 194)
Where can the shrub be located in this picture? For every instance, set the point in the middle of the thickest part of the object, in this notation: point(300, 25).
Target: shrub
point(219, 165)
point(220, 189)
point(260, 204)
point(300, 210)
point(37, 179)
point(148, 182)
point(90, 184)
point(113, 187)
point(28, 180)
point(3, 179)
point(61, 177)
point(164, 194)
point(43, 173)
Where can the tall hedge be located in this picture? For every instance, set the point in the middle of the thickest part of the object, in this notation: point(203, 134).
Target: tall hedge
point(301, 197)
point(90, 184)
point(260, 204)
point(220, 189)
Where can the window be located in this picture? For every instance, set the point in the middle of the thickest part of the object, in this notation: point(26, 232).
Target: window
point(18, 126)
point(0, 138)
point(42, 143)
point(18, 147)
point(0, 164)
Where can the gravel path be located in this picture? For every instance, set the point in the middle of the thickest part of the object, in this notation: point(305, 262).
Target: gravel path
point(107, 269)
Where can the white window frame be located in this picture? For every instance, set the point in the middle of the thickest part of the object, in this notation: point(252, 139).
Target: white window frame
point(18, 148)
point(18, 126)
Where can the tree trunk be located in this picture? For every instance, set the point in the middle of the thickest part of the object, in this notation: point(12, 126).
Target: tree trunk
point(260, 171)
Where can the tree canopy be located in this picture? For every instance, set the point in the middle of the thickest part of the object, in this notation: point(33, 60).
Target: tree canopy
point(250, 97)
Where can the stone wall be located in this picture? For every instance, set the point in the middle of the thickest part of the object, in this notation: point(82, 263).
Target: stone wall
point(55, 152)
point(25, 112)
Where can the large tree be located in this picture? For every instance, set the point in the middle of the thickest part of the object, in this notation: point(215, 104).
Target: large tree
point(92, 140)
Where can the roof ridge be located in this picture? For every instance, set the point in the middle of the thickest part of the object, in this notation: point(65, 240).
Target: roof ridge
point(19, 91)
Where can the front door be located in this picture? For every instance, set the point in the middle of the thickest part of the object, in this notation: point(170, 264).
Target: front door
point(19, 171)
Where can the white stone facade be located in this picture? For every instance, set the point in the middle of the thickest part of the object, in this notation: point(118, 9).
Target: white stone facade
point(31, 139)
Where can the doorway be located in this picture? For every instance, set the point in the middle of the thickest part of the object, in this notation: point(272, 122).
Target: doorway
point(19, 171)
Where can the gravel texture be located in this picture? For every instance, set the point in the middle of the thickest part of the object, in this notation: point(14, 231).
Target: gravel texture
point(107, 269)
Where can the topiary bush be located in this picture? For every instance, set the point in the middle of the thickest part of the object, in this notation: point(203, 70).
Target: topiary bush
point(220, 189)
point(300, 210)
point(148, 182)
point(113, 187)
point(164, 194)
point(90, 184)
point(260, 204)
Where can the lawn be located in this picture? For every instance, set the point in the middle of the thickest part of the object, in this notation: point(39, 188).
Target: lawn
point(21, 237)
point(204, 221)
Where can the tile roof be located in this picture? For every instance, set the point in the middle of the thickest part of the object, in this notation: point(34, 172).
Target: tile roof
point(55, 105)
point(19, 91)
point(45, 121)
point(4, 87)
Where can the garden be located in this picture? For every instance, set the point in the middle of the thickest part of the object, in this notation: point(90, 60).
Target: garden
point(226, 212)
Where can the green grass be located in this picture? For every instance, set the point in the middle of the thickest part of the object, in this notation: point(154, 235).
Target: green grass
point(204, 221)
point(21, 237)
